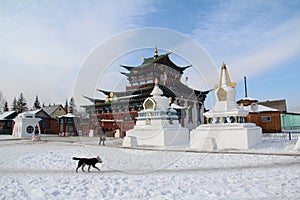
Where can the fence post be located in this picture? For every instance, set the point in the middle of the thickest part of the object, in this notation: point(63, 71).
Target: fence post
point(290, 135)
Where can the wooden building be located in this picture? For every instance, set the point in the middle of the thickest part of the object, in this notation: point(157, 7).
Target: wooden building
point(55, 110)
point(119, 109)
point(268, 118)
point(48, 125)
point(6, 122)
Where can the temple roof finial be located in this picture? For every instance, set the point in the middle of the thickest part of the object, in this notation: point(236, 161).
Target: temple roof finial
point(155, 52)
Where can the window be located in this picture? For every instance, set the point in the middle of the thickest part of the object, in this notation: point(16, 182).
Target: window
point(265, 118)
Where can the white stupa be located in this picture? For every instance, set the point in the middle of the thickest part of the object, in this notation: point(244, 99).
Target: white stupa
point(226, 127)
point(157, 124)
point(26, 126)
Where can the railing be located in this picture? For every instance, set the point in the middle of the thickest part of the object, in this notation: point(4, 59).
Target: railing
point(283, 136)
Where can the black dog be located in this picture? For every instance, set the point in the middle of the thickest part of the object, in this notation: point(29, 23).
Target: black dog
point(87, 161)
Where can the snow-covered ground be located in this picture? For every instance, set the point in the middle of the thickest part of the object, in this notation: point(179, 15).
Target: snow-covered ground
point(45, 170)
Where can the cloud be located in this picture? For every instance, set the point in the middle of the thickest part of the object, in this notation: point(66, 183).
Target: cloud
point(44, 43)
point(250, 36)
point(283, 45)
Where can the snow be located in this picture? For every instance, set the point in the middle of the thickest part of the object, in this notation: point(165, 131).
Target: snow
point(260, 108)
point(6, 114)
point(45, 170)
point(70, 115)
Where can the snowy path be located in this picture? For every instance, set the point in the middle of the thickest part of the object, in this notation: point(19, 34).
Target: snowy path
point(46, 171)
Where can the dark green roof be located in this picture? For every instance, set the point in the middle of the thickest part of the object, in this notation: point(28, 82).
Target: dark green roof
point(160, 59)
point(140, 92)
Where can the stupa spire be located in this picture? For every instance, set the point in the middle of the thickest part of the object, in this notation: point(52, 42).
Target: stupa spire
point(156, 90)
point(224, 78)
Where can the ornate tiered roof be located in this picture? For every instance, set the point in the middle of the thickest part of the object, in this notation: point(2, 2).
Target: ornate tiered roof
point(149, 62)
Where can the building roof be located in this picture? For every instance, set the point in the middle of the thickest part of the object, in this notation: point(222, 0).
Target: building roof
point(260, 108)
point(51, 109)
point(40, 113)
point(8, 115)
point(156, 59)
point(248, 99)
point(35, 111)
point(178, 88)
point(141, 92)
point(276, 104)
point(68, 115)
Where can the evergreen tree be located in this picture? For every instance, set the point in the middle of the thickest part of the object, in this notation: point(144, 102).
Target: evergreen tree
point(66, 105)
point(5, 108)
point(21, 104)
point(2, 100)
point(72, 106)
point(14, 105)
point(36, 104)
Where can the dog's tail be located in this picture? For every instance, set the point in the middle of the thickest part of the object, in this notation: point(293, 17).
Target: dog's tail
point(74, 158)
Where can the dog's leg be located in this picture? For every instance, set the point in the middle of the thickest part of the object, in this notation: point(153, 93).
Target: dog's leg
point(79, 165)
point(96, 167)
point(89, 168)
point(83, 167)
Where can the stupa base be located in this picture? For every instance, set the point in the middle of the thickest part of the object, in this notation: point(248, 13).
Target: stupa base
point(211, 137)
point(156, 137)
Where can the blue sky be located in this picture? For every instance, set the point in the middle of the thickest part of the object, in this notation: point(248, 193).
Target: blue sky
point(44, 43)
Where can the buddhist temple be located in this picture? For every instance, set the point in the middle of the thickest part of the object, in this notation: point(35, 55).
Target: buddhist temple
point(119, 109)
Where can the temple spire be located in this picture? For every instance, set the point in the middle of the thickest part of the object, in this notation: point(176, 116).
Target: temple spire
point(224, 78)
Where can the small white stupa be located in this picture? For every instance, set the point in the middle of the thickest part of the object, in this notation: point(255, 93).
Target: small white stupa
point(157, 124)
point(26, 126)
point(225, 127)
